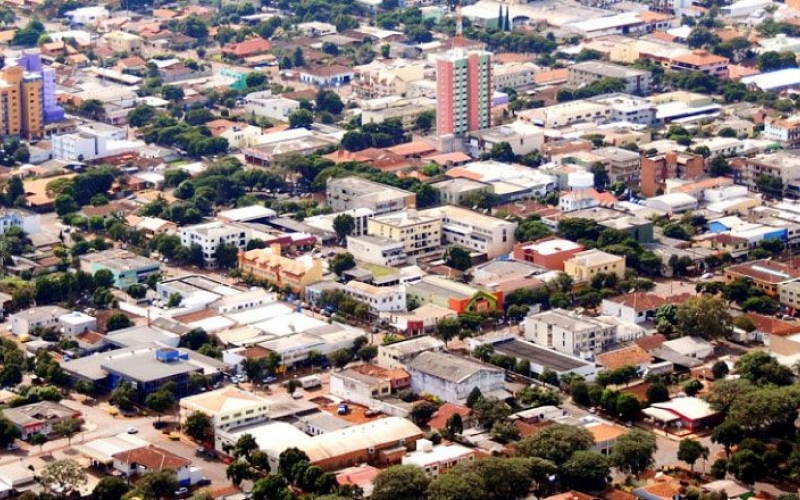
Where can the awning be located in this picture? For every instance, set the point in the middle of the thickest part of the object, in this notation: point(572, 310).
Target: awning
point(660, 415)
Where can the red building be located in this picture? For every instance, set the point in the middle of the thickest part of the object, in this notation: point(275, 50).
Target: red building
point(549, 253)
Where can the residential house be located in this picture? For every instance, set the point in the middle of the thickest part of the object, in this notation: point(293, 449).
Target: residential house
point(139, 461)
point(636, 308)
point(436, 460)
point(39, 418)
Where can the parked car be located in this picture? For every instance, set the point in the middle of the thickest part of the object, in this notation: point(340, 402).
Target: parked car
point(297, 395)
point(133, 430)
point(203, 482)
point(182, 491)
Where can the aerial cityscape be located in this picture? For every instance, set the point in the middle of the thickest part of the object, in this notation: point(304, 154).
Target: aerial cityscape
point(400, 250)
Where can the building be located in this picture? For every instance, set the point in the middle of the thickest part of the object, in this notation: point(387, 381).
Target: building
point(21, 94)
point(569, 332)
point(523, 137)
point(690, 347)
point(585, 265)
point(76, 323)
point(36, 318)
point(628, 108)
point(672, 203)
point(627, 356)
point(453, 191)
point(774, 81)
point(549, 253)
point(541, 358)
point(457, 297)
point(379, 299)
point(407, 110)
point(247, 48)
point(765, 275)
point(789, 295)
point(122, 41)
point(782, 165)
point(209, 235)
point(228, 408)
point(377, 250)
point(702, 60)
point(419, 233)
point(693, 413)
point(366, 384)
point(269, 106)
point(398, 354)
point(622, 165)
point(637, 81)
point(786, 130)
point(347, 193)
point(656, 170)
point(267, 264)
point(435, 460)
point(514, 75)
point(325, 222)
point(93, 141)
point(333, 75)
point(39, 418)
point(127, 267)
point(384, 79)
point(29, 222)
point(464, 94)
point(151, 458)
point(568, 113)
point(451, 378)
point(473, 230)
point(634, 308)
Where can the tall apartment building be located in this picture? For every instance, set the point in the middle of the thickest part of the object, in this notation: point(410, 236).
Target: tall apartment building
point(418, 233)
point(637, 81)
point(656, 170)
point(623, 165)
point(209, 235)
point(27, 97)
point(475, 231)
point(464, 93)
point(348, 193)
point(783, 165)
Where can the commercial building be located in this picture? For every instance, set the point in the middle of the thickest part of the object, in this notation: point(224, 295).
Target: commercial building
point(628, 108)
point(474, 231)
point(585, 265)
point(569, 332)
point(435, 460)
point(455, 296)
point(377, 250)
point(786, 130)
point(209, 235)
point(228, 408)
point(419, 233)
point(269, 265)
point(93, 141)
point(774, 81)
point(398, 354)
point(765, 275)
point(127, 267)
point(637, 81)
point(703, 61)
point(464, 94)
point(550, 253)
point(453, 191)
point(347, 193)
point(407, 110)
point(34, 318)
point(451, 378)
point(672, 203)
point(325, 222)
point(692, 413)
point(568, 113)
point(39, 418)
point(657, 169)
point(523, 138)
point(789, 295)
point(379, 299)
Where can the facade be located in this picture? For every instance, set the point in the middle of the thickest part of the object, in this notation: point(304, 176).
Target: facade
point(377, 250)
point(569, 332)
point(151, 458)
point(398, 354)
point(523, 138)
point(269, 106)
point(365, 384)
point(783, 165)
point(419, 233)
point(656, 170)
point(127, 267)
point(585, 73)
point(474, 231)
point(584, 265)
point(44, 317)
point(209, 235)
point(550, 253)
point(622, 165)
point(701, 60)
point(455, 296)
point(39, 418)
point(269, 265)
point(435, 460)
point(30, 222)
point(228, 408)
point(765, 275)
point(464, 94)
point(347, 193)
point(76, 323)
point(786, 130)
point(634, 308)
point(325, 222)
point(568, 113)
point(453, 191)
point(451, 378)
point(789, 295)
point(93, 141)
point(381, 299)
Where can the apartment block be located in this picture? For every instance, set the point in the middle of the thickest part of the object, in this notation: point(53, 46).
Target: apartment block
point(786, 130)
point(783, 165)
point(656, 170)
point(637, 81)
point(347, 193)
point(584, 266)
point(209, 235)
point(419, 233)
point(701, 60)
point(269, 265)
point(378, 299)
point(377, 250)
point(473, 230)
point(569, 332)
point(623, 165)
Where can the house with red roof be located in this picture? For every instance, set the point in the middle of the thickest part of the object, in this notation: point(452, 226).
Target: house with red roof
point(248, 48)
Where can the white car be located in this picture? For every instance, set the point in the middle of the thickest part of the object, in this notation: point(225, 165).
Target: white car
point(133, 430)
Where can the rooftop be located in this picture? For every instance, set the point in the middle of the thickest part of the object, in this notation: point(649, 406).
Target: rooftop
point(594, 257)
point(539, 355)
point(766, 271)
point(628, 356)
point(152, 458)
point(607, 70)
point(448, 367)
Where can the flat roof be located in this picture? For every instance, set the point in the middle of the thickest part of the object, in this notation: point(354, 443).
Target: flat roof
point(539, 355)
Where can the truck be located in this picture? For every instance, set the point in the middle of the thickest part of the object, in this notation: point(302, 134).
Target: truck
point(310, 381)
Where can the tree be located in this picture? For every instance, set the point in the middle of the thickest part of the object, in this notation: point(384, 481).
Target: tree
point(627, 406)
point(776, 408)
point(690, 451)
point(586, 470)
point(502, 152)
point(174, 300)
point(340, 358)
point(704, 315)
point(633, 452)
point(657, 393)
point(473, 397)
point(245, 446)
point(66, 473)
point(761, 369)
point(601, 178)
point(110, 488)
point(124, 396)
point(579, 391)
point(720, 370)
point(8, 432)
point(197, 425)
point(341, 262)
point(448, 328)
point(457, 485)
point(422, 412)
point(328, 101)
point(157, 484)
point(556, 443)
point(288, 460)
point(400, 482)
point(457, 258)
point(301, 118)
point(68, 428)
point(238, 471)
point(118, 321)
point(532, 229)
point(160, 401)
point(367, 353)
point(747, 466)
point(65, 204)
point(727, 434)
point(343, 225)
point(772, 61)
point(692, 387)
point(454, 425)
point(226, 255)
point(487, 411)
point(193, 339)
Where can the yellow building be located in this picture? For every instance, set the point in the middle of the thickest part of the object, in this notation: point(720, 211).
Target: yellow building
point(20, 104)
point(584, 266)
point(269, 265)
point(418, 233)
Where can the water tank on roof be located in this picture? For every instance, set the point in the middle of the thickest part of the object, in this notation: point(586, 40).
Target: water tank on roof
point(167, 355)
point(580, 180)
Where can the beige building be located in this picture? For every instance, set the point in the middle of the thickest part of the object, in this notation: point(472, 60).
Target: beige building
point(418, 233)
point(21, 103)
point(120, 41)
point(379, 79)
point(567, 113)
point(585, 265)
point(269, 265)
point(473, 230)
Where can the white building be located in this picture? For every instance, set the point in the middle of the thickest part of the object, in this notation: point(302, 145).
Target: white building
point(361, 388)
point(377, 250)
point(269, 106)
point(379, 299)
point(228, 408)
point(523, 138)
point(451, 378)
point(91, 142)
point(325, 221)
point(633, 308)
point(672, 203)
point(87, 15)
point(210, 235)
point(434, 460)
point(29, 222)
point(46, 317)
point(569, 332)
point(76, 323)
point(398, 354)
point(514, 75)
point(474, 231)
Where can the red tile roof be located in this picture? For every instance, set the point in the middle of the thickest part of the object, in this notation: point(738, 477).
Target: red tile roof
point(447, 410)
point(639, 301)
point(153, 458)
point(248, 48)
